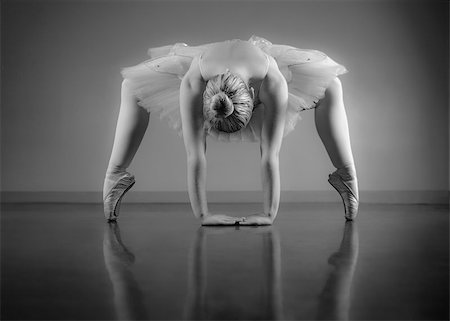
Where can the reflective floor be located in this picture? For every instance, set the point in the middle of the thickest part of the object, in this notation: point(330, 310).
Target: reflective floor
point(62, 261)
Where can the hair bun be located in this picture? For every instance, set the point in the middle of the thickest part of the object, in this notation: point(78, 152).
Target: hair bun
point(222, 105)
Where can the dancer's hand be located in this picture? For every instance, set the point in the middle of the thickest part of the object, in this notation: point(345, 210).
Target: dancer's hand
point(257, 219)
point(220, 219)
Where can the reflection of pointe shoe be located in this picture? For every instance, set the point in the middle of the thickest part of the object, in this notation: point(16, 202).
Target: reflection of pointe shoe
point(115, 246)
point(348, 194)
point(334, 258)
point(113, 198)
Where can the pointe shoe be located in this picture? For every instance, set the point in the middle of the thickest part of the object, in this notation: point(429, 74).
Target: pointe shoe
point(349, 196)
point(113, 198)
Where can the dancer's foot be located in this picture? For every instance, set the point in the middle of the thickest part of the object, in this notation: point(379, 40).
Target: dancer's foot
point(114, 188)
point(345, 182)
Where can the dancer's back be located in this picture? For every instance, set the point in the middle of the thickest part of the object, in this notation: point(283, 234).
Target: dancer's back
point(240, 57)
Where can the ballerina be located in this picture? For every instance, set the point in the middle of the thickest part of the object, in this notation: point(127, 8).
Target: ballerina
point(233, 90)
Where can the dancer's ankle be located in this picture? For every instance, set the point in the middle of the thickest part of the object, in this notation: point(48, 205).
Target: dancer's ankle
point(347, 172)
point(114, 170)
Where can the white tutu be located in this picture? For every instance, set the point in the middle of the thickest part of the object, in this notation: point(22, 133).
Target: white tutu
point(156, 83)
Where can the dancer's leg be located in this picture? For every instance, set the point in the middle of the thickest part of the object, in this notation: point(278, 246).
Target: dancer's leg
point(332, 126)
point(130, 129)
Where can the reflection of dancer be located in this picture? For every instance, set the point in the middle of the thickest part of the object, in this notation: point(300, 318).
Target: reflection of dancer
point(128, 298)
point(334, 301)
point(212, 292)
point(232, 90)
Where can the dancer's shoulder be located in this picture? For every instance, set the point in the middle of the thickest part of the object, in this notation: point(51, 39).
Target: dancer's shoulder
point(274, 82)
point(193, 76)
point(334, 89)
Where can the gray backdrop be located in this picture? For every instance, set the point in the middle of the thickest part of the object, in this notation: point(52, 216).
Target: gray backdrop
point(61, 80)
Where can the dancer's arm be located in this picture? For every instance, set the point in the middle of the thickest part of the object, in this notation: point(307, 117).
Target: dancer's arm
point(191, 109)
point(191, 90)
point(274, 96)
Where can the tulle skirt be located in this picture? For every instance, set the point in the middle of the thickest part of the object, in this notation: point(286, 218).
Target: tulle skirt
point(156, 83)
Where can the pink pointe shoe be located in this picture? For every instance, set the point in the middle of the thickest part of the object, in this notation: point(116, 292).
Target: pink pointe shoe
point(113, 198)
point(347, 189)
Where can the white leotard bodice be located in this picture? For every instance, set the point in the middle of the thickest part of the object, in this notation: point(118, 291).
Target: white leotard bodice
point(239, 57)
